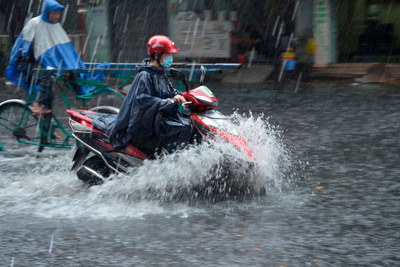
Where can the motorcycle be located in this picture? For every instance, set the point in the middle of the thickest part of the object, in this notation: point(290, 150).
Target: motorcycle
point(95, 160)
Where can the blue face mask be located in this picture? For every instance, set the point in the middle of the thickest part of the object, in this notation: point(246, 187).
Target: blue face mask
point(167, 62)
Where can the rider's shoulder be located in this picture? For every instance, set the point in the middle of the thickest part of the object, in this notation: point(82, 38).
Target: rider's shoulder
point(150, 69)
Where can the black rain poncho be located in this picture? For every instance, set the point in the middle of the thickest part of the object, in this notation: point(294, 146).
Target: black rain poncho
point(139, 118)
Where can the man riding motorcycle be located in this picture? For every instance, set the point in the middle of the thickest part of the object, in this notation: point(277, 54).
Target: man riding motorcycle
point(139, 118)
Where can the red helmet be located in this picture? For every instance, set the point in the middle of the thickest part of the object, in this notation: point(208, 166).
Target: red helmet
point(160, 44)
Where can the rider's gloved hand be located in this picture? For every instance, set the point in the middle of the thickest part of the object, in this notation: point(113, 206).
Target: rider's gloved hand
point(180, 99)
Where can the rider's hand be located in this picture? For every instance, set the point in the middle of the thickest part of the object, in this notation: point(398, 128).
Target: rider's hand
point(67, 76)
point(180, 99)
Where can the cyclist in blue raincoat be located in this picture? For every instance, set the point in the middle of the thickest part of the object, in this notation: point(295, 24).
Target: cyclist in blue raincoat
point(43, 43)
point(140, 120)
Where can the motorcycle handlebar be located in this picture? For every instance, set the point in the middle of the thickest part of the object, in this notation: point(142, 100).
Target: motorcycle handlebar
point(186, 104)
point(168, 103)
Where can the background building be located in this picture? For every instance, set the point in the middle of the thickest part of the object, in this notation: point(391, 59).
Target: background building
point(221, 30)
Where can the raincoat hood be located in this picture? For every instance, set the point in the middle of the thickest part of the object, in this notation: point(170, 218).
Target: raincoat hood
point(150, 68)
point(50, 6)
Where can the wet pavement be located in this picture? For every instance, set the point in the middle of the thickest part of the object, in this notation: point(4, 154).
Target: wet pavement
point(328, 155)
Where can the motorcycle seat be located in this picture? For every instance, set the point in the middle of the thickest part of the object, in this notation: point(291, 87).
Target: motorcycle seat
point(104, 122)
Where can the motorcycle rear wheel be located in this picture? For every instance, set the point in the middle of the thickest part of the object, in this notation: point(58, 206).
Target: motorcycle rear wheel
point(93, 171)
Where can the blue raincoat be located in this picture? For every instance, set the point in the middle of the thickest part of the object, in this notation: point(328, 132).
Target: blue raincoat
point(44, 41)
point(139, 118)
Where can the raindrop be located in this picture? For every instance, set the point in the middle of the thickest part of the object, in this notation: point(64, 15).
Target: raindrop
point(126, 24)
point(204, 28)
point(115, 14)
point(192, 70)
point(279, 35)
point(282, 69)
point(59, 67)
point(31, 85)
point(295, 9)
point(251, 57)
point(77, 60)
point(10, 18)
point(119, 56)
point(29, 7)
point(95, 48)
point(104, 36)
point(93, 67)
point(39, 6)
point(51, 243)
point(290, 40)
point(145, 17)
point(99, 100)
point(28, 18)
point(195, 32)
point(87, 38)
point(64, 14)
point(298, 82)
point(37, 128)
point(19, 79)
point(275, 25)
point(36, 74)
point(187, 34)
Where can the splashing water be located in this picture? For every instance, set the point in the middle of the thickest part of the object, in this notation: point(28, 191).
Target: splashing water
point(212, 171)
point(45, 186)
point(274, 161)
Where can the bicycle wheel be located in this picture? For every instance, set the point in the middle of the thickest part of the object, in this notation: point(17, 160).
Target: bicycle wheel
point(18, 126)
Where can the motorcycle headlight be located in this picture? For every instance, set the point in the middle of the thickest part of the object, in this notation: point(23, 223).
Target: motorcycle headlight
point(222, 124)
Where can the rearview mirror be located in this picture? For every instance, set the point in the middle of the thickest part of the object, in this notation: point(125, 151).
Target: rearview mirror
point(179, 76)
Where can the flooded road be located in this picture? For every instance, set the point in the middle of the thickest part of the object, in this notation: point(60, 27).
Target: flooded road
point(329, 165)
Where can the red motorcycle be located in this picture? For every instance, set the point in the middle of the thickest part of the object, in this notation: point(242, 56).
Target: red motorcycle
point(95, 159)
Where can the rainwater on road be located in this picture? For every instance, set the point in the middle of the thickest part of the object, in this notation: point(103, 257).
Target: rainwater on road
point(330, 155)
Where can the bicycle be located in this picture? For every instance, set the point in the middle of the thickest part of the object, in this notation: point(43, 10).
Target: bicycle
point(17, 118)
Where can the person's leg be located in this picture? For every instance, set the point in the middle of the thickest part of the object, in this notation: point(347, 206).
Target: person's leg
point(25, 67)
point(45, 93)
point(44, 98)
point(177, 137)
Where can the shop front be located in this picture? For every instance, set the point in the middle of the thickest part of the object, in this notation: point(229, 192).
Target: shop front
point(369, 31)
point(231, 30)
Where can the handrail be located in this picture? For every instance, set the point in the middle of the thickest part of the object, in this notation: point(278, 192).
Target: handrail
point(113, 71)
point(175, 65)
